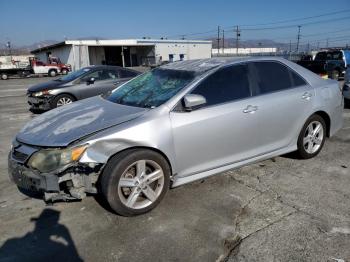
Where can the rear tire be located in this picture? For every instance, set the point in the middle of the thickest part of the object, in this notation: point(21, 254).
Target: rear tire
point(52, 73)
point(4, 76)
point(135, 181)
point(62, 100)
point(312, 137)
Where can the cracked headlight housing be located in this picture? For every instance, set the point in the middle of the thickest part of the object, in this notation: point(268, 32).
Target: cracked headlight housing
point(47, 160)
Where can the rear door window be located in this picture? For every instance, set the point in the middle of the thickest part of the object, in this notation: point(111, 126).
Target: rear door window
point(225, 85)
point(271, 77)
point(124, 73)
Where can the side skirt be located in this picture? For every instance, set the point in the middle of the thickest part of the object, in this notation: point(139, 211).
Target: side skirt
point(178, 181)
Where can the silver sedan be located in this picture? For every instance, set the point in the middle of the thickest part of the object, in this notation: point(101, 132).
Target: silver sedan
point(176, 124)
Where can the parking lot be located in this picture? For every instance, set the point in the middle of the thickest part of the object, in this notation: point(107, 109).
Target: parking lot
point(282, 209)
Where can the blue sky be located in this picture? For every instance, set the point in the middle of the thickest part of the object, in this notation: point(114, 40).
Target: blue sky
point(30, 21)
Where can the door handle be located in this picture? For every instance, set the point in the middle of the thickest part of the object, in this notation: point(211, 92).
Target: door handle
point(250, 109)
point(306, 96)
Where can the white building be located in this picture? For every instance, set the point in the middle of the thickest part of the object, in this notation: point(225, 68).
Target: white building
point(126, 53)
point(244, 51)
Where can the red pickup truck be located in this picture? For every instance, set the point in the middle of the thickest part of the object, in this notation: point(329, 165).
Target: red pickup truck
point(55, 61)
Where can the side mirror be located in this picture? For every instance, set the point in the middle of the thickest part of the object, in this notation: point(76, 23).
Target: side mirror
point(193, 101)
point(90, 81)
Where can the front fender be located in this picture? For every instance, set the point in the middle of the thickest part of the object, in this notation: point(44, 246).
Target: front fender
point(154, 133)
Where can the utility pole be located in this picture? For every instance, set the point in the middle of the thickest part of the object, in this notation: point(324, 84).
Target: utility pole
point(238, 35)
point(299, 27)
point(290, 49)
point(308, 47)
point(8, 44)
point(290, 46)
point(318, 46)
point(183, 37)
point(218, 39)
point(223, 41)
point(327, 43)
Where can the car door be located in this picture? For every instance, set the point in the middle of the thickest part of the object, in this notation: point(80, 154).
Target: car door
point(283, 100)
point(39, 68)
point(107, 81)
point(103, 81)
point(219, 133)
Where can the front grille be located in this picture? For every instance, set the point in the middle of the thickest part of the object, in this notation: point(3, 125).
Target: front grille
point(19, 156)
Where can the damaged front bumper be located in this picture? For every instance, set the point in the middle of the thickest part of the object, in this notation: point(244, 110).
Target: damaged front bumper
point(72, 183)
point(42, 102)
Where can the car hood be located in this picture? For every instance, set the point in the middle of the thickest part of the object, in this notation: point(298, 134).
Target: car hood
point(47, 85)
point(66, 124)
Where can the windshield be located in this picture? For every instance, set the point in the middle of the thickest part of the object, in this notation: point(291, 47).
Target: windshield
point(152, 89)
point(74, 75)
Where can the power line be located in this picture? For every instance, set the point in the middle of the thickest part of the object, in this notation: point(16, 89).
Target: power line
point(278, 22)
point(300, 19)
point(295, 25)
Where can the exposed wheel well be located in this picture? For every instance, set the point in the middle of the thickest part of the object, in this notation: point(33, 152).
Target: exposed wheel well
point(326, 119)
point(147, 148)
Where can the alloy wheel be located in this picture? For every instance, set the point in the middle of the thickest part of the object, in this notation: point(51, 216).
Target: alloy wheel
point(313, 137)
point(63, 101)
point(141, 184)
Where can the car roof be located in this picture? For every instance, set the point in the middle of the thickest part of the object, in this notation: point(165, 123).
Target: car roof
point(200, 66)
point(108, 67)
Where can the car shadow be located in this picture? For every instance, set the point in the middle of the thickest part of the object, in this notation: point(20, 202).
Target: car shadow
point(49, 241)
point(291, 155)
point(36, 111)
point(347, 103)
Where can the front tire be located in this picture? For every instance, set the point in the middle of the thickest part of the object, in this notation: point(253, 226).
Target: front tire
point(312, 137)
point(135, 181)
point(64, 71)
point(62, 100)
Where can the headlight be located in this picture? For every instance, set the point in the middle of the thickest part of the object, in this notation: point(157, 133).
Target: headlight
point(48, 160)
point(41, 93)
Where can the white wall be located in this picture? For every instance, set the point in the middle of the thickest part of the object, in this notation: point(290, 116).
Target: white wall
point(63, 52)
point(80, 54)
point(190, 51)
point(96, 55)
